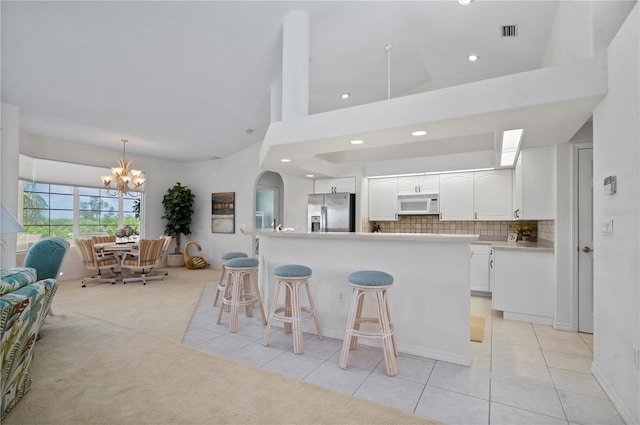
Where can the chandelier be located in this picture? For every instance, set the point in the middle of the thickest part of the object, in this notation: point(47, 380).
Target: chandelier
point(125, 180)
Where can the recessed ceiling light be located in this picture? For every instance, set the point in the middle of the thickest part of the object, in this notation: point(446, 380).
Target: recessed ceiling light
point(285, 160)
point(310, 175)
point(249, 130)
point(465, 2)
point(419, 133)
point(345, 95)
point(473, 58)
point(356, 142)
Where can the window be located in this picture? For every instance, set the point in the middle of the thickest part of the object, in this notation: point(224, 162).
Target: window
point(68, 211)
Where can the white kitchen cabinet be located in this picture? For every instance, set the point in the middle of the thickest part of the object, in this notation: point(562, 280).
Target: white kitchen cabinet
point(480, 270)
point(337, 185)
point(456, 196)
point(534, 184)
point(492, 194)
point(426, 184)
point(524, 284)
point(383, 199)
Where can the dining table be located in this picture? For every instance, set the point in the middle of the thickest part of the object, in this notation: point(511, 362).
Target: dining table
point(119, 249)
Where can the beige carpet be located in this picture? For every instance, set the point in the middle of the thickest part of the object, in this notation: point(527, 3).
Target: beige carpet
point(113, 355)
point(477, 328)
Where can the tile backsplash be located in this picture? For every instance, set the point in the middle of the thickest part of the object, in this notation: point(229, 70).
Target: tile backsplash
point(432, 224)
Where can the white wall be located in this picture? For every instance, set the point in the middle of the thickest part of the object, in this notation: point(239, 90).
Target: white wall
point(616, 267)
point(9, 180)
point(238, 173)
point(571, 36)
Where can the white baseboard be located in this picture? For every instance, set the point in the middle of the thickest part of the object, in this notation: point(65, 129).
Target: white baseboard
point(626, 414)
point(564, 326)
point(520, 317)
point(432, 354)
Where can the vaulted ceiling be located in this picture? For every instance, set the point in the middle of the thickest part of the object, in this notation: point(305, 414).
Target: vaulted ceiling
point(191, 80)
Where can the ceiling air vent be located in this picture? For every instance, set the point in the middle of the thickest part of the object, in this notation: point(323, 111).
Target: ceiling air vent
point(509, 30)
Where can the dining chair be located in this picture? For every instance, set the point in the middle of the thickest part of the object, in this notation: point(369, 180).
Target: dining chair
point(165, 249)
point(141, 264)
point(96, 262)
point(103, 239)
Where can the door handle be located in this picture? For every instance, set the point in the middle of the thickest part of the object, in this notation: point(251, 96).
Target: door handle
point(587, 249)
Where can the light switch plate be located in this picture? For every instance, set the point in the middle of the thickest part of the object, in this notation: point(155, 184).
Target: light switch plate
point(607, 228)
point(610, 185)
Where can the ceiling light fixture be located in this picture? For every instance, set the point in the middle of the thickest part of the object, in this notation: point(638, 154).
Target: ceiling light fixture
point(345, 95)
point(310, 175)
point(121, 176)
point(473, 58)
point(465, 2)
point(511, 140)
point(285, 160)
point(419, 133)
point(356, 142)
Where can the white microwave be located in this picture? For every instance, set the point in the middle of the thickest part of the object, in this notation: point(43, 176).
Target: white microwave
point(418, 204)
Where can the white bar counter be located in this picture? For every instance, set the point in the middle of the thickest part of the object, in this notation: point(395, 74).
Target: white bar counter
point(429, 300)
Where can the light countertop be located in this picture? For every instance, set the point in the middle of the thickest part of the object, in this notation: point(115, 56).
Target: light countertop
point(418, 237)
point(541, 245)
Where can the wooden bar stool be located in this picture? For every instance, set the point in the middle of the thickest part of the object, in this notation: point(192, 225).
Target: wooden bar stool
point(376, 283)
point(291, 277)
point(241, 289)
point(221, 283)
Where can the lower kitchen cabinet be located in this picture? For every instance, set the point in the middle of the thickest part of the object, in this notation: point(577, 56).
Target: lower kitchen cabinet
point(480, 271)
point(524, 285)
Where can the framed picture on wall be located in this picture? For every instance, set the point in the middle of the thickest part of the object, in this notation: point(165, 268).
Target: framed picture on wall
point(223, 213)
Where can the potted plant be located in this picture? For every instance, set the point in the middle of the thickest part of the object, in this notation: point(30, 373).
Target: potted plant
point(178, 209)
point(524, 229)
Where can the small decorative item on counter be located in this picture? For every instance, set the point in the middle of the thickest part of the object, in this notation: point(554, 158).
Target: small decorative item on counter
point(526, 230)
point(375, 228)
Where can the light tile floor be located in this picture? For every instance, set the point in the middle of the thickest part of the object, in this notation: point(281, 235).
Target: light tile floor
point(521, 373)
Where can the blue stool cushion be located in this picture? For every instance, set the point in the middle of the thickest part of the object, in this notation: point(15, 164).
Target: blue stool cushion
point(370, 278)
point(231, 255)
point(292, 270)
point(241, 262)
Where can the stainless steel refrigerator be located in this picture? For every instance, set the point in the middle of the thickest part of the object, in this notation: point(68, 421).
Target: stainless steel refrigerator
point(332, 212)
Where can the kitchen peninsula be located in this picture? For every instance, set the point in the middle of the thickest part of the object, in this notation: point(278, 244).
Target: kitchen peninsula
point(429, 301)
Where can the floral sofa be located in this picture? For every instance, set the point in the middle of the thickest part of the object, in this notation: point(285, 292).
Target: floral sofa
point(24, 304)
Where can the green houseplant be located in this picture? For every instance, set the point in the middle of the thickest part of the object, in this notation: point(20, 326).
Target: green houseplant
point(178, 210)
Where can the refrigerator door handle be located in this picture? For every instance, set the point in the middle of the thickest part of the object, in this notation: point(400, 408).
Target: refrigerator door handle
point(323, 218)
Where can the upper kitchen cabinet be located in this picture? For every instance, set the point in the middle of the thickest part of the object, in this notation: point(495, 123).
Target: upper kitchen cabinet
point(492, 194)
point(534, 184)
point(337, 185)
point(383, 199)
point(456, 196)
point(426, 184)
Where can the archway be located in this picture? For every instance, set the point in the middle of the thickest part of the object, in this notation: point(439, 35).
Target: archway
point(268, 202)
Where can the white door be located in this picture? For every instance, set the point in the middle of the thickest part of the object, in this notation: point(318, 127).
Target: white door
point(585, 240)
point(492, 195)
point(429, 183)
point(345, 184)
point(407, 185)
point(456, 196)
point(323, 186)
point(383, 199)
